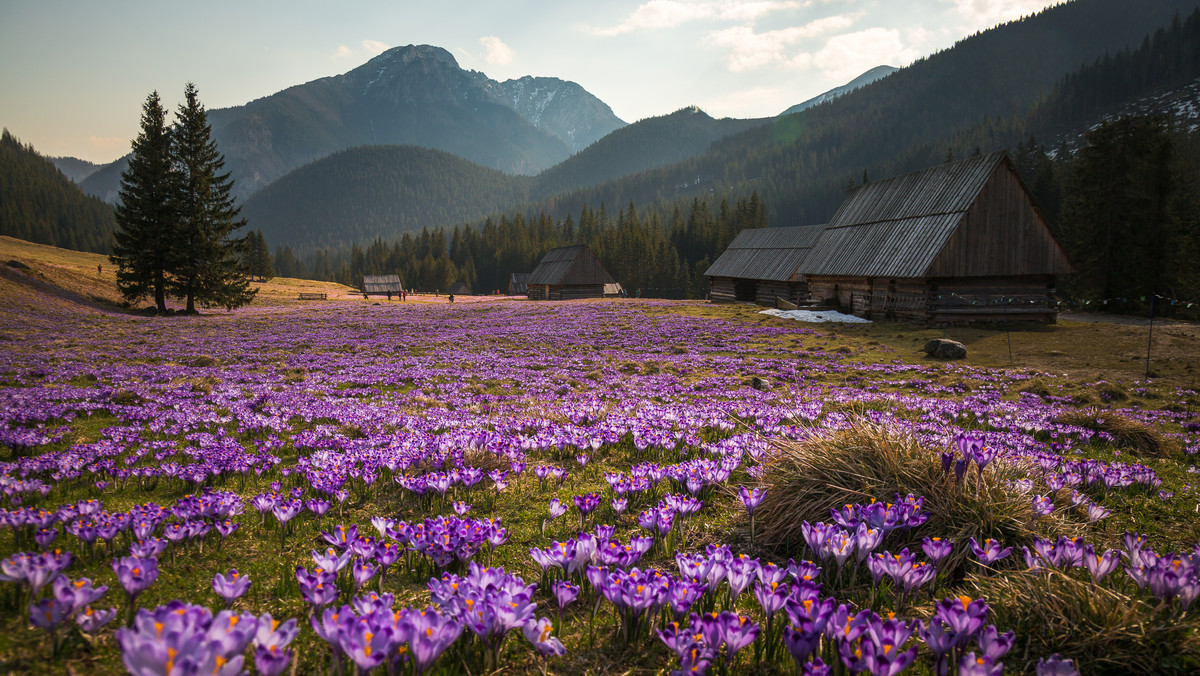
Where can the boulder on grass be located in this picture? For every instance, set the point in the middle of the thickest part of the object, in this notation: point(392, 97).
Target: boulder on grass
point(944, 348)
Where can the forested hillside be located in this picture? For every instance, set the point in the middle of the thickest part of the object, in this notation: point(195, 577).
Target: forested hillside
point(39, 204)
point(646, 144)
point(359, 194)
point(662, 252)
point(1163, 61)
point(801, 164)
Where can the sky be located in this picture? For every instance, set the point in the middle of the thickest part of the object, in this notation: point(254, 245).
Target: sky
point(76, 72)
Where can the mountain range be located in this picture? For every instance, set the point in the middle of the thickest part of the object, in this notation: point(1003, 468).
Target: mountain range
point(545, 144)
point(414, 95)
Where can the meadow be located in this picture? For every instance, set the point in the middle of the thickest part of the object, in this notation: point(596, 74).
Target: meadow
point(609, 487)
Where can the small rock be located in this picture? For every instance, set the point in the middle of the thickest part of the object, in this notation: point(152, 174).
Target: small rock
point(944, 348)
point(759, 384)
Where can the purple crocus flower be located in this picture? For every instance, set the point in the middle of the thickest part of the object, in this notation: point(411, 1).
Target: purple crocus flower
point(44, 537)
point(363, 571)
point(1042, 505)
point(271, 660)
point(981, 665)
point(737, 632)
point(1055, 665)
point(341, 537)
point(557, 509)
point(317, 506)
point(367, 643)
point(771, 597)
point(994, 644)
point(537, 632)
point(936, 549)
point(1100, 565)
point(76, 595)
point(804, 571)
point(990, 552)
point(564, 592)
point(48, 613)
point(1095, 512)
point(90, 621)
point(230, 586)
point(963, 615)
point(135, 574)
point(751, 498)
point(431, 633)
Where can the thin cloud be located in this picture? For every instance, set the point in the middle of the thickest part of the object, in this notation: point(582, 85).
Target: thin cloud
point(983, 14)
point(368, 48)
point(498, 53)
point(849, 55)
point(661, 14)
point(749, 50)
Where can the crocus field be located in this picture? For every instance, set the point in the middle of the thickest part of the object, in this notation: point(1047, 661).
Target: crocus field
point(584, 487)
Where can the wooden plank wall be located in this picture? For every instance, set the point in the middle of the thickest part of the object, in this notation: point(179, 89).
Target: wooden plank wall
point(1003, 234)
point(766, 291)
point(720, 290)
point(576, 291)
point(994, 299)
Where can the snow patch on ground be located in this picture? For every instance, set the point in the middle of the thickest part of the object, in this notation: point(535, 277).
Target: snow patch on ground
point(816, 316)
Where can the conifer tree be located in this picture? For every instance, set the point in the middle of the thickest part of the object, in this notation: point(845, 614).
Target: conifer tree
point(146, 220)
point(205, 266)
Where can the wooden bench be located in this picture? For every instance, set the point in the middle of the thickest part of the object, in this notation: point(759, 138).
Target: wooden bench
point(306, 295)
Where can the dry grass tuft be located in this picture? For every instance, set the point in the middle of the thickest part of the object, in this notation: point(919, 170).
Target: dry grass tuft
point(1131, 435)
point(1103, 630)
point(866, 461)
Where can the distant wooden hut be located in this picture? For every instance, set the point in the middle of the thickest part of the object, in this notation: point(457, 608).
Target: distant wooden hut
point(762, 264)
point(614, 290)
point(568, 272)
point(962, 241)
point(380, 285)
point(459, 289)
point(518, 284)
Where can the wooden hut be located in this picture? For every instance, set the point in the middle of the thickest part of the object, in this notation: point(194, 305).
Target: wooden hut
point(614, 290)
point(459, 288)
point(761, 265)
point(962, 241)
point(380, 285)
point(568, 272)
point(518, 284)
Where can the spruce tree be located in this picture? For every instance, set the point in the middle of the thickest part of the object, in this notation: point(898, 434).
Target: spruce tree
point(146, 222)
point(205, 268)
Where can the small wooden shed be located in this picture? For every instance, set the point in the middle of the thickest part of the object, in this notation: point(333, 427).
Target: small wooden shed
point(962, 241)
point(459, 288)
point(518, 284)
point(567, 273)
point(761, 264)
point(380, 285)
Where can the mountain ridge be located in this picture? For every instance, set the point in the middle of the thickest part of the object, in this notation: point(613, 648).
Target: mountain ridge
point(410, 95)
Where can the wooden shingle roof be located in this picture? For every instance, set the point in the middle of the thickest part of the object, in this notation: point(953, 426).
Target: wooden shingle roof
point(969, 218)
point(766, 253)
point(381, 283)
point(570, 265)
point(518, 283)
